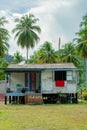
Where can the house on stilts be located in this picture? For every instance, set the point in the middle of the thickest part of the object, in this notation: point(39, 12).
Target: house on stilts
point(47, 83)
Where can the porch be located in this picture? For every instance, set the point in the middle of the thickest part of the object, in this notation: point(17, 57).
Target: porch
point(23, 81)
point(19, 85)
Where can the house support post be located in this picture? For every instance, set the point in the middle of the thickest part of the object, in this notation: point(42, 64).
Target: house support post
point(76, 98)
point(9, 99)
point(5, 99)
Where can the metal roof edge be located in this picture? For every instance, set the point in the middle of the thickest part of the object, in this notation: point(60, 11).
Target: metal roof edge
point(39, 69)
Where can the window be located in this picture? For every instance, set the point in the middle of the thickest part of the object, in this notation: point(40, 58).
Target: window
point(69, 75)
point(60, 77)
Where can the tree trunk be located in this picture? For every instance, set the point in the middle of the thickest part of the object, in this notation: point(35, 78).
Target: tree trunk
point(27, 55)
point(86, 71)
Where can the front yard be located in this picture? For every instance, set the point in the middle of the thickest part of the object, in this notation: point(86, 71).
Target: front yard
point(43, 117)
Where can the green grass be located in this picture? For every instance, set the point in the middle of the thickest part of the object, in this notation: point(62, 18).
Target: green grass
point(43, 117)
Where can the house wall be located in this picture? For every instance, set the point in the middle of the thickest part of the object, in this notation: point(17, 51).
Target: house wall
point(47, 82)
point(49, 86)
point(2, 86)
point(17, 80)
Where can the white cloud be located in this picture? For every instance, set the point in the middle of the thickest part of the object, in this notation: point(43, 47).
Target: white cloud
point(51, 26)
point(58, 18)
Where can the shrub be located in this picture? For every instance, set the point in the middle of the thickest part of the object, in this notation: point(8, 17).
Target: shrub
point(84, 94)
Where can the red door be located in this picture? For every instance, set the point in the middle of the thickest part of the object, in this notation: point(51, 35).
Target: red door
point(32, 80)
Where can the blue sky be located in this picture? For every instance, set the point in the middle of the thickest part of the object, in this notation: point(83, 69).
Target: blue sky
point(57, 18)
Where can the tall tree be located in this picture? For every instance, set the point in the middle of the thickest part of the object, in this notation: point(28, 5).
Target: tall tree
point(17, 57)
point(81, 41)
point(46, 54)
point(4, 37)
point(68, 54)
point(27, 31)
point(34, 58)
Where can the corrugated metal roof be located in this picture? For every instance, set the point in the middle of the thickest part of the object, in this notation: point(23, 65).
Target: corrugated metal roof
point(40, 67)
point(43, 66)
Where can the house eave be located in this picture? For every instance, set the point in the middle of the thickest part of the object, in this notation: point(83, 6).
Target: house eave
point(39, 69)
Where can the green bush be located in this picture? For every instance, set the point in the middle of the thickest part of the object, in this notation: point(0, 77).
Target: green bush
point(3, 64)
point(84, 94)
point(2, 75)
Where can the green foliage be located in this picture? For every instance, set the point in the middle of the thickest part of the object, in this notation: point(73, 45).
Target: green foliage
point(68, 54)
point(81, 44)
point(81, 40)
point(4, 37)
point(84, 94)
point(17, 57)
point(33, 58)
point(3, 64)
point(46, 54)
point(2, 75)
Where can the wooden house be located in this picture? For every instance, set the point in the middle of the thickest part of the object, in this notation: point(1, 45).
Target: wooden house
point(54, 82)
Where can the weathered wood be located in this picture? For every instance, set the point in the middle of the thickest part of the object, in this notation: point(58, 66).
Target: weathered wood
point(33, 98)
point(9, 99)
point(5, 99)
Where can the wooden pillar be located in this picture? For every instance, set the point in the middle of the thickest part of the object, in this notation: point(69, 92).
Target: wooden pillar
point(5, 81)
point(18, 100)
point(5, 99)
point(76, 98)
point(23, 99)
point(10, 99)
point(13, 98)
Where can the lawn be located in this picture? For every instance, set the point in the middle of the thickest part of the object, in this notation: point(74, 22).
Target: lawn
point(43, 117)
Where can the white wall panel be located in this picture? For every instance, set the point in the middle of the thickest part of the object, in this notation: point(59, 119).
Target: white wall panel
point(48, 84)
point(17, 79)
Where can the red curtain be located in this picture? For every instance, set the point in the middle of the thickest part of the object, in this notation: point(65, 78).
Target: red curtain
point(59, 83)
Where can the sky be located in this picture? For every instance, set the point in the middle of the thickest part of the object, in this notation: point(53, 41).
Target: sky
point(57, 18)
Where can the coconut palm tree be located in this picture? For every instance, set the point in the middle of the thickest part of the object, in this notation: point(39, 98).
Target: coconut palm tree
point(47, 54)
point(34, 58)
point(81, 41)
point(17, 57)
point(4, 37)
point(82, 38)
point(68, 54)
point(27, 31)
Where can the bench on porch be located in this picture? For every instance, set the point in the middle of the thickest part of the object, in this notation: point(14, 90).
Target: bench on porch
point(14, 97)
